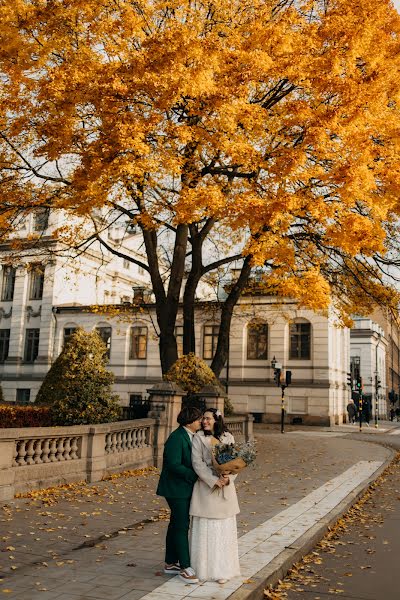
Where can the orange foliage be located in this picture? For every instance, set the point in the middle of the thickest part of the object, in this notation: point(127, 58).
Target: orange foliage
point(277, 119)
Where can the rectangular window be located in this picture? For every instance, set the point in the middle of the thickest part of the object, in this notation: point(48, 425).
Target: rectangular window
point(41, 219)
point(36, 282)
point(138, 347)
point(179, 339)
point(23, 396)
point(31, 345)
point(355, 367)
point(126, 264)
point(210, 340)
point(68, 331)
point(4, 344)
point(257, 341)
point(105, 334)
point(300, 341)
point(8, 283)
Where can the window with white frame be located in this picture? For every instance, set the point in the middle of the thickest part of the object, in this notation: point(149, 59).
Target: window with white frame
point(68, 331)
point(36, 282)
point(8, 283)
point(257, 341)
point(210, 340)
point(31, 345)
point(300, 340)
point(179, 339)
point(105, 334)
point(138, 342)
point(4, 344)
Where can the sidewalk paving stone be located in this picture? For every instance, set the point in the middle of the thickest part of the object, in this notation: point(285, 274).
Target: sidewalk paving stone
point(128, 565)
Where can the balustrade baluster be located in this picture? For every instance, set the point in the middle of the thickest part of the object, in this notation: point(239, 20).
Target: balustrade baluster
point(46, 450)
point(29, 452)
point(74, 448)
point(21, 448)
point(37, 447)
point(60, 449)
point(67, 449)
point(53, 450)
point(129, 442)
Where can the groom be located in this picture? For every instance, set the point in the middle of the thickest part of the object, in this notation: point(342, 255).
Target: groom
point(176, 485)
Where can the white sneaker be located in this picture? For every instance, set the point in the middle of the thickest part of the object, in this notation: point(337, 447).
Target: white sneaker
point(188, 575)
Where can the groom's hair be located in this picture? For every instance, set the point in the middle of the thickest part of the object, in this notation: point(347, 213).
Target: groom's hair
point(188, 415)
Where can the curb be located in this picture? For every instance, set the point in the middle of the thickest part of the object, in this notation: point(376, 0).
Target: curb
point(280, 565)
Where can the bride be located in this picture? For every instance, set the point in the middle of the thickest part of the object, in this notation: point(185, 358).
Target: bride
point(214, 506)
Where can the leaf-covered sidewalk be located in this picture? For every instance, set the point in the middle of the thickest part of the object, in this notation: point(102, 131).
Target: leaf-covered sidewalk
point(106, 540)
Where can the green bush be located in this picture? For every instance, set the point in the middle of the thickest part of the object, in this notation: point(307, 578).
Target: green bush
point(12, 415)
point(78, 386)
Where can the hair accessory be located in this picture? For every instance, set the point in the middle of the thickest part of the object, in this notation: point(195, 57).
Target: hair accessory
point(218, 413)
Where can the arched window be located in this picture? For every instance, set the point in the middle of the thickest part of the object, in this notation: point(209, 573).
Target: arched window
point(300, 340)
point(138, 342)
point(210, 340)
point(69, 329)
point(257, 341)
point(104, 331)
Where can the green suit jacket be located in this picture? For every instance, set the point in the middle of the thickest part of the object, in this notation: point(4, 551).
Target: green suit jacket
point(177, 475)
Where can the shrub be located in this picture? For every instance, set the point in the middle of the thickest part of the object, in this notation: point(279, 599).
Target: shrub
point(191, 373)
point(78, 386)
point(25, 416)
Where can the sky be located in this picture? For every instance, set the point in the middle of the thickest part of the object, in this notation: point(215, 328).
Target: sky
point(397, 4)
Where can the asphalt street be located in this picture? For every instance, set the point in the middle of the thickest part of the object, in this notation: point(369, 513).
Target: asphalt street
point(360, 558)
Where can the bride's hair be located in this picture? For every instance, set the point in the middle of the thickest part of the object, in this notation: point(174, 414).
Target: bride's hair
point(219, 425)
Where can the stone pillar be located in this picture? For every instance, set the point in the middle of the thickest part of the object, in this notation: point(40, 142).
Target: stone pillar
point(7, 471)
point(96, 457)
point(248, 428)
point(214, 397)
point(47, 320)
point(166, 401)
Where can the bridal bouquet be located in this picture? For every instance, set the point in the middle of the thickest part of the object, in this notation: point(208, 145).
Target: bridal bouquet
point(232, 458)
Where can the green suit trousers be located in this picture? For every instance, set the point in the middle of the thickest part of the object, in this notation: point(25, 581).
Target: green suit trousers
point(177, 543)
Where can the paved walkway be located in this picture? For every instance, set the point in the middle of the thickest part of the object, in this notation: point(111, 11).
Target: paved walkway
point(106, 541)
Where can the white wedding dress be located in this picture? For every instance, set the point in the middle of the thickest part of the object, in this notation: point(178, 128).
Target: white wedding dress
point(214, 548)
point(213, 541)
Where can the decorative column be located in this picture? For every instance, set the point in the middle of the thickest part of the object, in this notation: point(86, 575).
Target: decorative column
point(166, 397)
point(166, 402)
point(47, 320)
point(17, 322)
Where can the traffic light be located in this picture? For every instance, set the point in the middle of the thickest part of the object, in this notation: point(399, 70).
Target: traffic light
point(349, 380)
point(378, 382)
point(277, 376)
point(359, 384)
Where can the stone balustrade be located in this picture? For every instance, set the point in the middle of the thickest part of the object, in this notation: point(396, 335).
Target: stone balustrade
point(39, 457)
point(240, 426)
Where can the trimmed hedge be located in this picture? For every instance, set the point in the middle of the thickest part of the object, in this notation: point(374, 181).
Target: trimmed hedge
point(25, 416)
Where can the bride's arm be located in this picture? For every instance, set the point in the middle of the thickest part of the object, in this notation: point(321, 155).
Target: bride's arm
point(203, 471)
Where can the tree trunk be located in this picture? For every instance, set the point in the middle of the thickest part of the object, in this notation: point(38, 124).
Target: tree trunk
point(167, 304)
point(221, 353)
point(168, 351)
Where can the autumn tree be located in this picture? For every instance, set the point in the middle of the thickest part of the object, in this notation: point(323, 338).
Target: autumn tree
point(270, 124)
